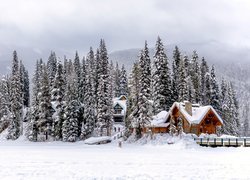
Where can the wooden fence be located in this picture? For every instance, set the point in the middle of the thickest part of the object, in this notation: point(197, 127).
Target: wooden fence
point(227, 142)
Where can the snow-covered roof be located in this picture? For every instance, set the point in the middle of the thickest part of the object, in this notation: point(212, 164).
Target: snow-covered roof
point(160, 119)
point(198, 112)
point(122, 103)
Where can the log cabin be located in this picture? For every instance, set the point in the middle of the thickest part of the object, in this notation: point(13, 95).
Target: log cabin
point(195, 119)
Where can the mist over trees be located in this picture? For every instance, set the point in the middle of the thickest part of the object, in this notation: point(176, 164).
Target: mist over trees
point(72, 100)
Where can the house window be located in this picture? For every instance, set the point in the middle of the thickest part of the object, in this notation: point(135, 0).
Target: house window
point(118, 111)
point(207, 121)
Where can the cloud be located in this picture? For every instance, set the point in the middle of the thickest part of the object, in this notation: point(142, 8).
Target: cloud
point(69, 25)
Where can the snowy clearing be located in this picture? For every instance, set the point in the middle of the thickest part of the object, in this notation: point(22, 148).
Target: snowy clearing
point(58, 160)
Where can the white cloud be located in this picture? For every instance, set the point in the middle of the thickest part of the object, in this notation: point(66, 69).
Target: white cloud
point(77, 24)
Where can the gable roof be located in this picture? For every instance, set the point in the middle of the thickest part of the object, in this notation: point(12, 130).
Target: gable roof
point(160, 119)
point(121, 103)
point(198, 112)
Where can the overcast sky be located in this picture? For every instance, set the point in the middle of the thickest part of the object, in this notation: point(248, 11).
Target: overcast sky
point(69, 25)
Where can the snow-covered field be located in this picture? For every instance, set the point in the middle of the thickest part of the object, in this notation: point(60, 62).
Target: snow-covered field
point(58, 160)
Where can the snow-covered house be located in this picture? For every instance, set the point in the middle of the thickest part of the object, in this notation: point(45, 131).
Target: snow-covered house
point(195, 119)
point(119, 109)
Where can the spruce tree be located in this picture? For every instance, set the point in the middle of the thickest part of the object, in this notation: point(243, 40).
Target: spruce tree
point(162, 96)
point(123, 82)
point(58, 93)
point(45, 110)
point(215, 92)
point(183, 94)
point(14, 130)
point(104, 116)
point(196, 78)
point(51, 65)
point(70, 126)
point(145, 94)
point(175, 74)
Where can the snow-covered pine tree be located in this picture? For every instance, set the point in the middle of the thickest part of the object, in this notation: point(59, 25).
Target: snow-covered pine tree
point(215, 101)
point(70, 127)
point(4, 103)
point(117, 80)
point(134, 90)
point(89, 107)
point(14, 129)
point(145, 94)
point(51, 66)
point(162, 96)
point(245, 115)
point(96, 75)
point(236, 104)
point(123, 82)
point(195, 76)
point(32, 130)
point(207, 90)
point(82, 83)
point(104, 116)
point(44, 122)
point(175, 74)
point(112, 79)
point(204, 71)
point(77, 69)
point(58, 93)
point(229, 113)
point(183, 94)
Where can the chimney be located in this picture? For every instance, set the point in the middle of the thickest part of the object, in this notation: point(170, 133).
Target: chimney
point(188, 107)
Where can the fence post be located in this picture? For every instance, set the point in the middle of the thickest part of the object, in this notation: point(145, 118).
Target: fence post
point(236, 142)
point(229, 141)
point(245, 142)
point(214, 141)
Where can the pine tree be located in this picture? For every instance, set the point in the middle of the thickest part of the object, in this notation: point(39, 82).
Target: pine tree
point(123, 82)
point(112, 80)
point(175, 74)
point(195, 76)
point(44, 123)
point(89, 107)
point(14, 130)
point(117, 81)
point(207, 90)
point(162, 96)
point(70, 126)
point(246, 120)
point(134, 90)
point(104, 119)
point(58, 93)
point(145, 94)
point(51, 66)
point(229, 112)
point(77, 69)
point(204, 71)
point(32, 130)
point(4, 104)
point(215, 93)
point(183, 94)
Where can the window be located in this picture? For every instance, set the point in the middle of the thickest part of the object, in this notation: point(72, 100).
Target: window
point(207, 121)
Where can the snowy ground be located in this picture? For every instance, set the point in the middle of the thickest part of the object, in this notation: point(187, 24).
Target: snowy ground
point(58, 160)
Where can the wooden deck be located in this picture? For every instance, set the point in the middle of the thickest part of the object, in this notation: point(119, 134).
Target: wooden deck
point(227, 142)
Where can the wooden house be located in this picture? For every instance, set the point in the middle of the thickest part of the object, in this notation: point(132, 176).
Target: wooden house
point(119, 109)
point(195, 119)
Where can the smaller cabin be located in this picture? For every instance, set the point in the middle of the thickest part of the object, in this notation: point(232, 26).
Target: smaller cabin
point(119, 109)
